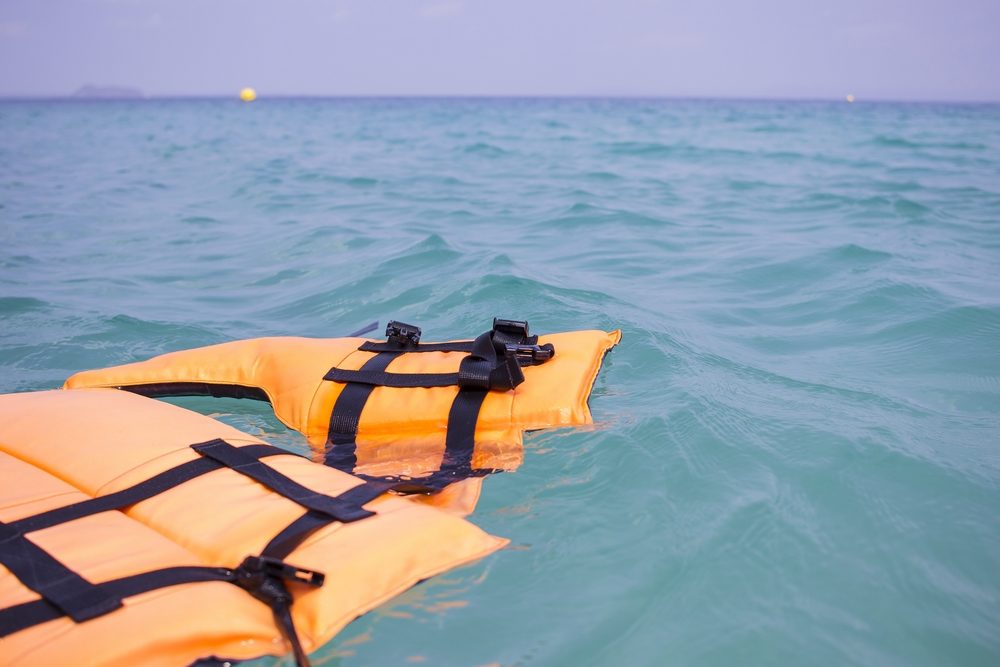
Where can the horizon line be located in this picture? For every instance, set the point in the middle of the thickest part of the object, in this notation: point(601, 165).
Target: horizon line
point(142, 97)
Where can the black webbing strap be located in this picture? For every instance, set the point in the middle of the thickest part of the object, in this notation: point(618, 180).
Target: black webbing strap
point(264, 578)
point(351, 401)
point(296, 532)
point(215, 661)
point(65, 593)
point(282, 611)
point(342, 448)
point(402, 337)
point(77, 598)
point(461, 436)
point(383, 379)
point(166, 389)
point(493, 363)
point(285, 542)
point(488, 366)
point(453, 346)
point(234, 458)
point(60, 586)
point(460, 441)
point(153, 486)
point(28, 614)
point(456, 464)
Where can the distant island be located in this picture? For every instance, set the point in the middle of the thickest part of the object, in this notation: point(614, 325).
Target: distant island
point(93, 92)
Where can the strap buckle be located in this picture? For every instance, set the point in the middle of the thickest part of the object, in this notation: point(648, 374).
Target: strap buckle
point(279, 569)
point(515, 328)
point(532, 355)
point(402, 334)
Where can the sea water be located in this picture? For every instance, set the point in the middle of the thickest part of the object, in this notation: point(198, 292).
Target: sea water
point(796, 456)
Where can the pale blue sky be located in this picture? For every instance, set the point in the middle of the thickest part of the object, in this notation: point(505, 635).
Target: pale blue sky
point(886, 49)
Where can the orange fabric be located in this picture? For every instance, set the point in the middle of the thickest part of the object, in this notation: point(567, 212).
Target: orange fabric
point(402, 430)
point(60, 447)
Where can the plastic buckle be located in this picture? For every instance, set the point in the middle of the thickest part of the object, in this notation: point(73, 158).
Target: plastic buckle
point(517, 328)
point(402, 334)
point(279, 569)
point(529, 355)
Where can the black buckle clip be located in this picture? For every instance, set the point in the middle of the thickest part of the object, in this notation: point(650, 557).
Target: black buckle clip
point(279, 569)
point(402, 334)
point(532, 355)
point(517, 328)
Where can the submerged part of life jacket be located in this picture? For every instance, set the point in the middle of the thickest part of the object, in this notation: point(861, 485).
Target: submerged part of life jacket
point(136, 532)
point(401, 409)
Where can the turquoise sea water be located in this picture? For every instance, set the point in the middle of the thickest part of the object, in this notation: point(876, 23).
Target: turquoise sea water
point(797, 455)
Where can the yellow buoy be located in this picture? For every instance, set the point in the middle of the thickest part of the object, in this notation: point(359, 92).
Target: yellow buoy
point(248, 94)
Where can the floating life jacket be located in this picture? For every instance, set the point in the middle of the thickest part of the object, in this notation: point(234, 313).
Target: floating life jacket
point(134, 532)
point(402, 409)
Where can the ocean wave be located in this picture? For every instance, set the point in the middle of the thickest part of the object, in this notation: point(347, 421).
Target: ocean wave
point(15, 305)
point(484, 149)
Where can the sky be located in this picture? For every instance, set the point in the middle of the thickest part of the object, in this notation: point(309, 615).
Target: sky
point(875, 49)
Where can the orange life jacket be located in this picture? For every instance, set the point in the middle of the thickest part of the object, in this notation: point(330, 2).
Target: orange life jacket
point(134, 532)
point(431, 413)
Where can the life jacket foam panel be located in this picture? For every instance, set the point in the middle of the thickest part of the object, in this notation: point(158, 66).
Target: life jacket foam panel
point(62, 447)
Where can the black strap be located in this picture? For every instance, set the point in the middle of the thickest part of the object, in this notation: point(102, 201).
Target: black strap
point(342, 447)
point(164, 389)
point(291, 537)
point(456, 464)
point(460, 441)
point(81, 600)
point(461, 436)
point(453, 346)
point(236, 459)
point(282, 611)
point(351, 401)
point(402, 337)
point(65, 593)
point(60, 586)
point(74, 595)
point(215, 661)
point(493, 363)
point(28, 614)
point(296, 532)
point(264, 578)
point(488, 366)
point(155, 485)
point(285, 542)
point(381, 379)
